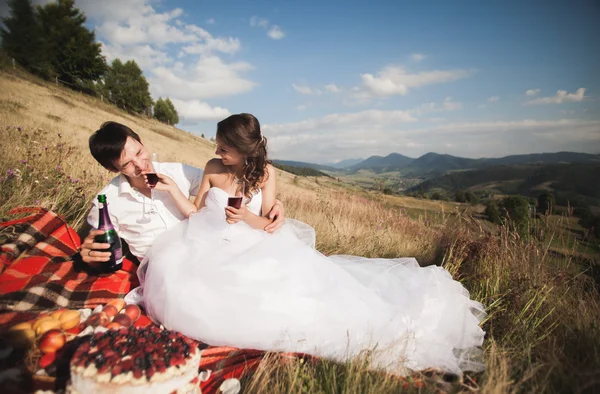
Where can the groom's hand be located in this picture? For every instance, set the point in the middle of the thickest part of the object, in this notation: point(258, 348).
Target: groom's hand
point(276, 215)
point(91, 252)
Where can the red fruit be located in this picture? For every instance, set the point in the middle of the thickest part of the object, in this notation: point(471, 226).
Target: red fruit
point(110, 310)
point(113, 326)
point(47, 359)
point(97, 319)
point(51, 341)
point(123, 319)
point(133, 311)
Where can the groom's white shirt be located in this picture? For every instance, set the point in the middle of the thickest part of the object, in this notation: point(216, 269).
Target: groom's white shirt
point(126, 205)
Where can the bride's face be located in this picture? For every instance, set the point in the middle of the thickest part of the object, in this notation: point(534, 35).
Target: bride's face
point(229, 155)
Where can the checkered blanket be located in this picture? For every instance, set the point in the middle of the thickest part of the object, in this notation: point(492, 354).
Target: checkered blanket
point(38, 273)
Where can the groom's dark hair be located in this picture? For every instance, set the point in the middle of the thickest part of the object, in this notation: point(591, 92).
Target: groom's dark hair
point(107, 143)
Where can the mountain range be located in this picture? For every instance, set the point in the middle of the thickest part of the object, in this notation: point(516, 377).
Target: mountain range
point(435, 163)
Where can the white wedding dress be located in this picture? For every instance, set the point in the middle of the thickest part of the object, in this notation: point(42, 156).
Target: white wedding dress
point(235, 286)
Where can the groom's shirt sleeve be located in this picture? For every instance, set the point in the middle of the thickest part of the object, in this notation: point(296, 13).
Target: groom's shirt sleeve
point(194, 177)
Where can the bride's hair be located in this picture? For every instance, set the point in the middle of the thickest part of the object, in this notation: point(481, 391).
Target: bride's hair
point(242, 132)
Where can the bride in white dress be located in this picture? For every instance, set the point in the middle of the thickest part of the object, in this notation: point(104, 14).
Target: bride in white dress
point(219, 278)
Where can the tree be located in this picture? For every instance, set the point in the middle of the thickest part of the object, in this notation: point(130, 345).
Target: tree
point(174, 114)
point(73, 52)
point(516, 211)
point(23, 39)
point(545, 203)
point(471, 198)
point(459, 196)
point(127, 87)
point(492, 212)
point(165, 111)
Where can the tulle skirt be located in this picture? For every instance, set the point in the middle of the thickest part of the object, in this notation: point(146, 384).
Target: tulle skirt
point(231, 285)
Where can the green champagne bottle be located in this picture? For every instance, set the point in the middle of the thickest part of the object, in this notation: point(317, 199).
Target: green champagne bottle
point(110, 236)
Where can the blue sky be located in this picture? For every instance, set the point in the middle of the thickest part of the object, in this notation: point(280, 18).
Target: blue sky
point(338, 80)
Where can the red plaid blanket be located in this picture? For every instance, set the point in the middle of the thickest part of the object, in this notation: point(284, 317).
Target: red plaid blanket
point(37, 273)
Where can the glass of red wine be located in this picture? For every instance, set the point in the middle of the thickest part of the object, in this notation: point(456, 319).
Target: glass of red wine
point(152, 178)
point(235, 199)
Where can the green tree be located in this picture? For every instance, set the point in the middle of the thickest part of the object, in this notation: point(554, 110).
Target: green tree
point(459, 196)
point(516, 211)
point(471, 198)
point(165, 111)
point(23, 39)
point(545, 203)
point(174, 114)
point(75, 55)
point(437, 196)
point(492, 212)
point(127, 86)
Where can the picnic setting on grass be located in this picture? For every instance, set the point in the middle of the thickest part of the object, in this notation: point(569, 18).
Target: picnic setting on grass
point(171, 293)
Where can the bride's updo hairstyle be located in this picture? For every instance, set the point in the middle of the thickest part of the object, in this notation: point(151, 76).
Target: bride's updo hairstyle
point(242, 132)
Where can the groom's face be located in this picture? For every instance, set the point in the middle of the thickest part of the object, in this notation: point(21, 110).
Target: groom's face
point(134, 160)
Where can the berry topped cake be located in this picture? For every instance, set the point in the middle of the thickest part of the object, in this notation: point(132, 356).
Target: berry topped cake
point(132, 360)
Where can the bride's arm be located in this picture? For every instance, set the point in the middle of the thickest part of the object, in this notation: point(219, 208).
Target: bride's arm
point(269, 190)
point(210, 169)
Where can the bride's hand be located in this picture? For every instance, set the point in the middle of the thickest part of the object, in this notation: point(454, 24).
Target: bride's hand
point(235, 215)
point(164, 183)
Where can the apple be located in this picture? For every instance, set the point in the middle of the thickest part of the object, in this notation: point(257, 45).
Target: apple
point(47, 325)
point(110, 310)
point(113, 326)
point(117, 303)
point(97, 319)
point(47, 359)
point(51, 341)
point(133, 311)
point(69, 319)
point(123, 319)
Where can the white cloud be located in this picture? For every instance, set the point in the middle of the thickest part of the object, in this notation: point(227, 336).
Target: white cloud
point(255, 21)
point(532, 92)
point(493, 99)
point(396, 80)
point(447, 105)
point(366, 133)
point(302, 107)
point(343, 121)
point(194, 110)
point(228, 45)
point(209, 77)
point(417, 57)
point(276, 33)
point(303, 89)
point(211, 21)
point(332, 88)
point(560, 97)
point(144, 55)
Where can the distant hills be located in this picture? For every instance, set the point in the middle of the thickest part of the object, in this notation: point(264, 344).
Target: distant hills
point(576, 183)
point(433, 164)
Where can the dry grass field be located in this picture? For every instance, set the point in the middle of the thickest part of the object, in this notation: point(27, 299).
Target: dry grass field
point(543, 330)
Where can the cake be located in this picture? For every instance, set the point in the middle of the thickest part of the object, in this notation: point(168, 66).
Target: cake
point(132, 360)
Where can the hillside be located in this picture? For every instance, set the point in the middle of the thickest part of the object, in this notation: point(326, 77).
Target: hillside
point(576, 183)
point(391, 162)
point(301, 164)
point(540, 293)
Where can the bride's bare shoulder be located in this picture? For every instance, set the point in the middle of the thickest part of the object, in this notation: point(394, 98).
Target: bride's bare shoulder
point(215, 166)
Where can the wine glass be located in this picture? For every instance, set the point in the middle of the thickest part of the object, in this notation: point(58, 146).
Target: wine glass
point(152, 176)
point(235, 199)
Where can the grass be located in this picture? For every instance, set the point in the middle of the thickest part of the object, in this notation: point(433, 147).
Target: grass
point(541, 292)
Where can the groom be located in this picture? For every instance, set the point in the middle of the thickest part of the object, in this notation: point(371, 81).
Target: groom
point(120, 150)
